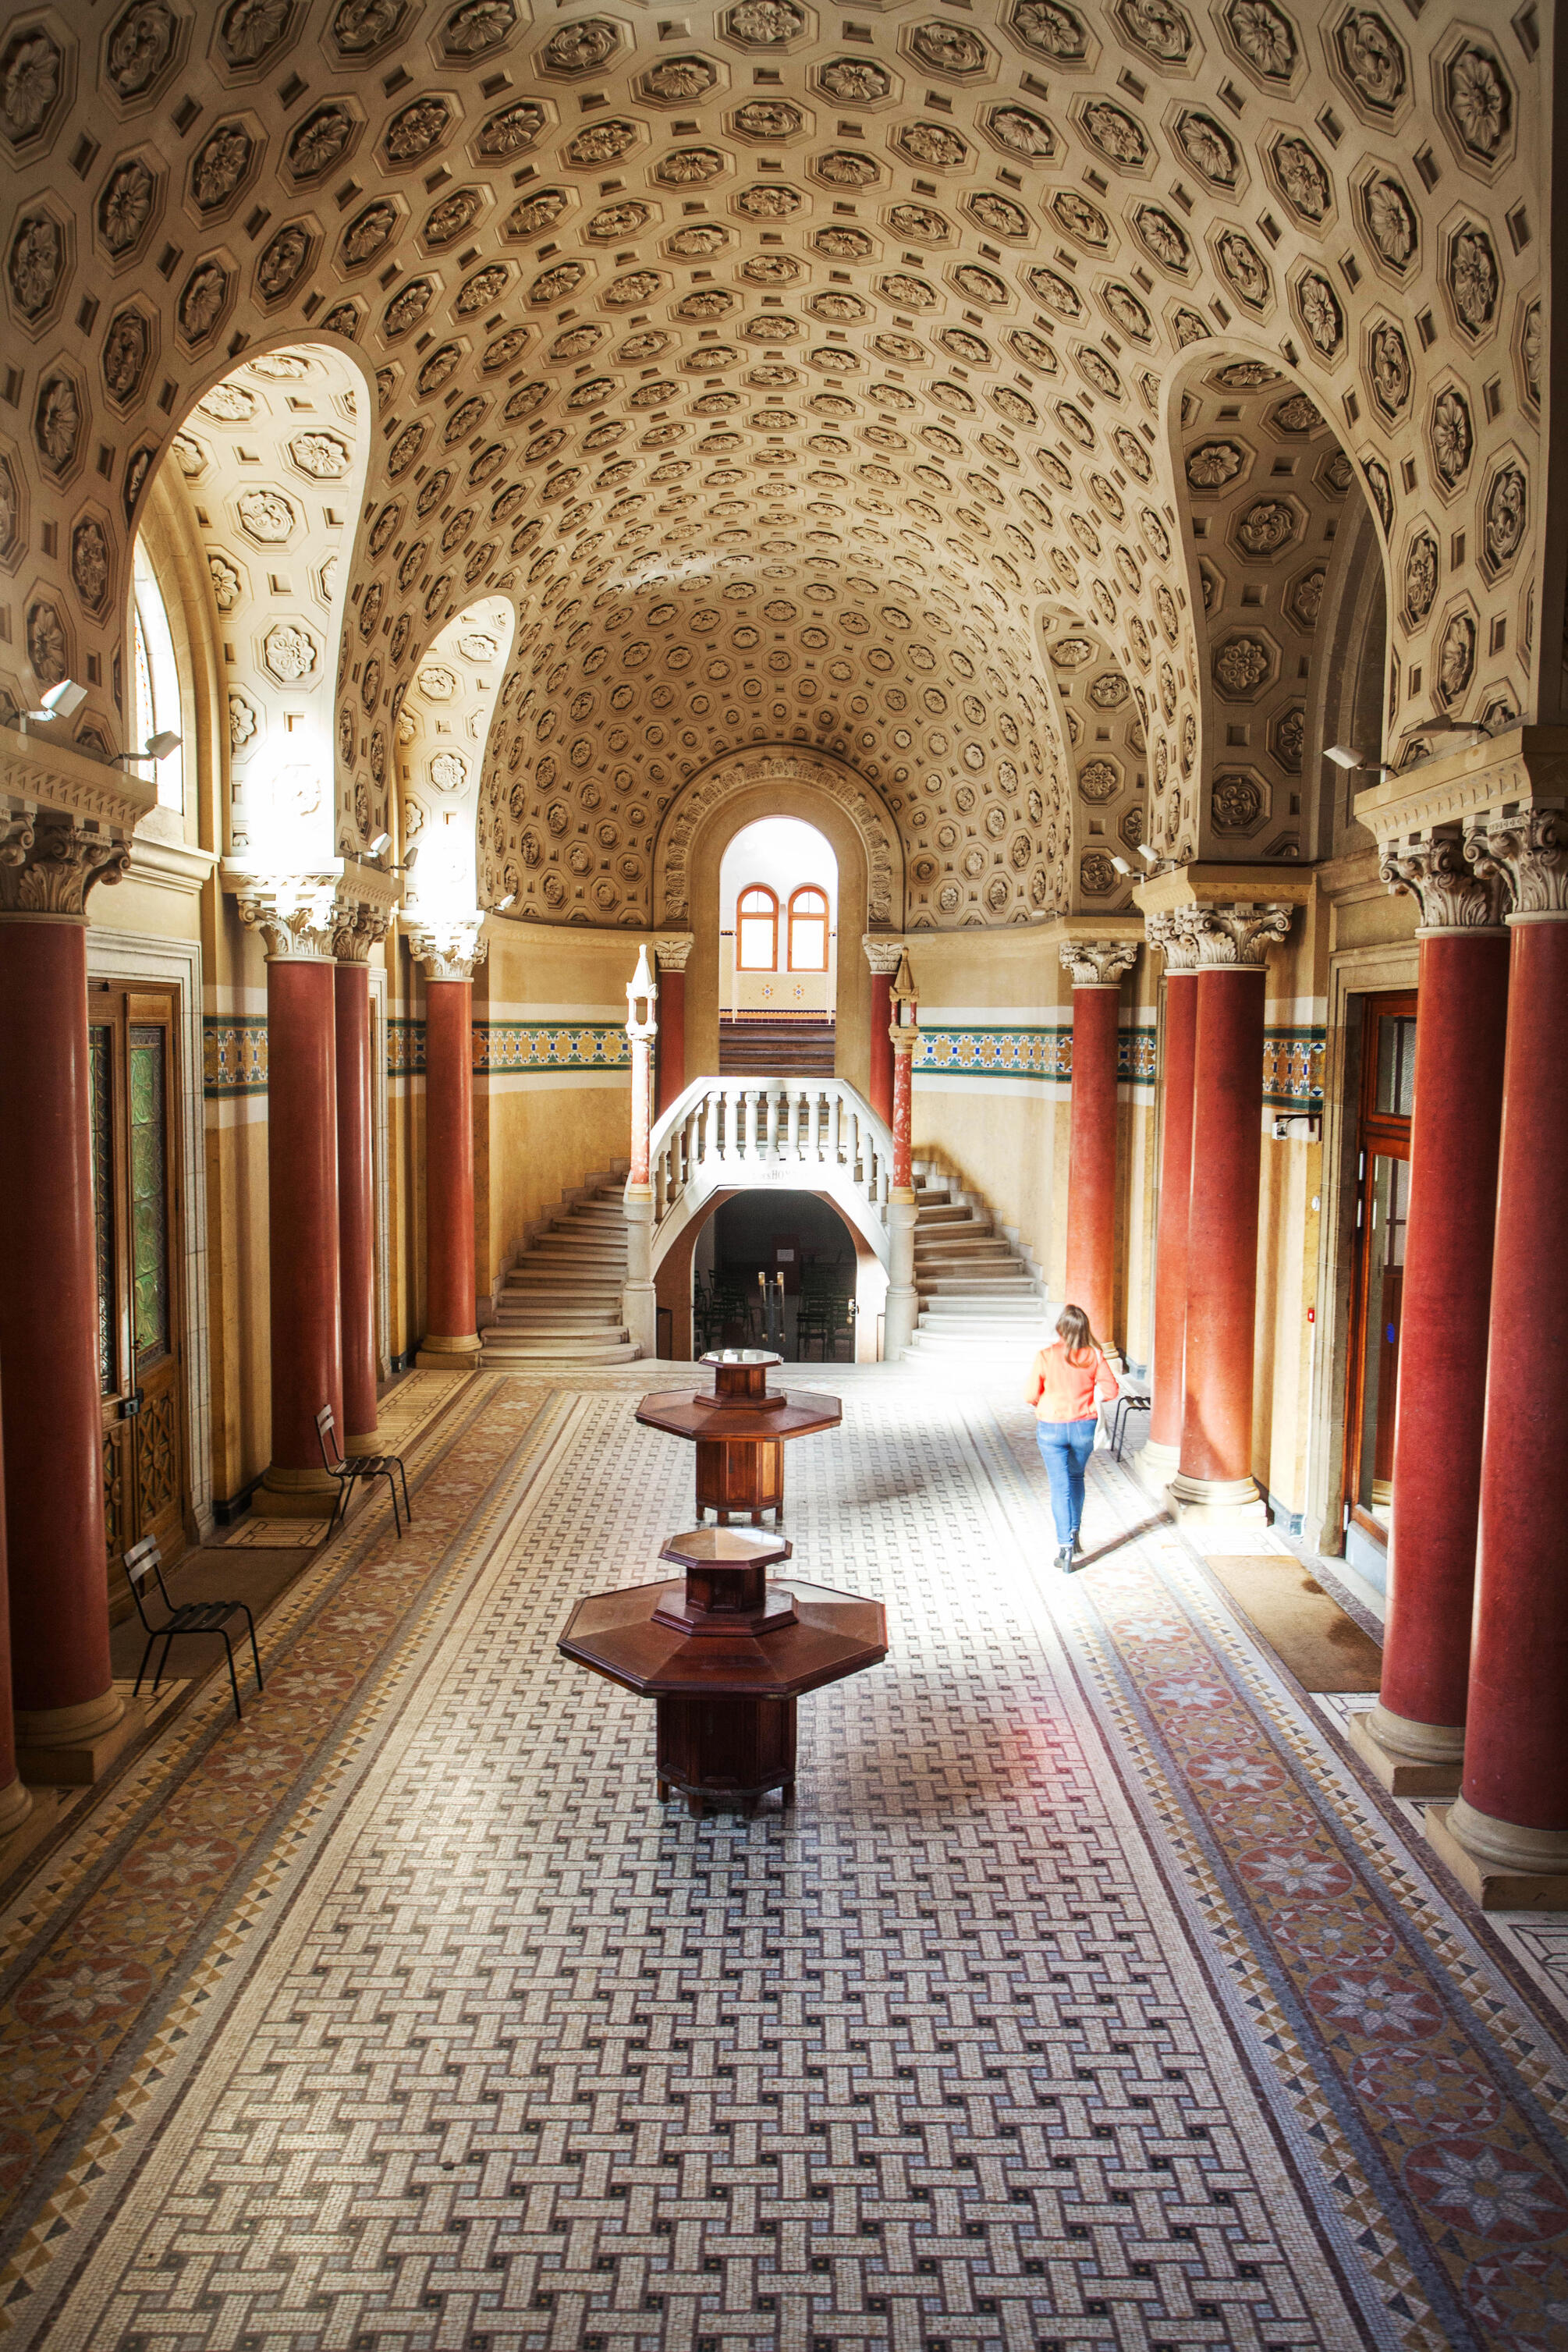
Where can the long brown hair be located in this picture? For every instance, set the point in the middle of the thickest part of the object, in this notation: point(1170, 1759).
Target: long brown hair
point(1073, 1331)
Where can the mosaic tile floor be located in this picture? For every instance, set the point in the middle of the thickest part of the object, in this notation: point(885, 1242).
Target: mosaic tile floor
point(1089, 1996)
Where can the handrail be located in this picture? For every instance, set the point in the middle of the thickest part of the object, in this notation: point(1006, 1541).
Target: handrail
point(723, 1134)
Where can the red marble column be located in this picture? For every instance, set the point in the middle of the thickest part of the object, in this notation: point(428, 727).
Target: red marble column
point(1097, 966)
point(302, 1222)
point(1161, 1457)
point(16, 1803)
point(1415, 1736)
point(672, 955)
point(356, 1195)
point(1215, 1473)
point(883, 956)
point(900, 1310)
point(69, 1720)
point(1512, 1813)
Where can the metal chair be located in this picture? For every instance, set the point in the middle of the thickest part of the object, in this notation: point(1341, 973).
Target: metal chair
point(351, 1469)
point(1126, 1404)
point(144, 1561)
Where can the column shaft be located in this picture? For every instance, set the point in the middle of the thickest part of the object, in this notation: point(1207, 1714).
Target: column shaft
point(302, 1208)
point(882, 1046)
point(671, 1037)
point(451, 1339)
point(356, 1205)
point(1169, 1388)
point(1453, 1139)
point(15, 1804)
point(48, 1342)
point(1222, 1241)
point(1516, 1747)
point(1091, 1159)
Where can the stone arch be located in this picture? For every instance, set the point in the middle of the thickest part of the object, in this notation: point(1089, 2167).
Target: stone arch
point(779, 780)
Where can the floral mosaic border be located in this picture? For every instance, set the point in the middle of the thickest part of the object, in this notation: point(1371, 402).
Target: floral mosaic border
point(234, 1050)
point(1293, 1065)
point(1293, 1059)
point(234, 1055)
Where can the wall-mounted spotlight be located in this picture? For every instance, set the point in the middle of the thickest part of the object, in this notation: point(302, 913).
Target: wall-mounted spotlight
point(157, 747)
point(61, 701)
point(380, 846)
point(502, 904)
point(1121, 865)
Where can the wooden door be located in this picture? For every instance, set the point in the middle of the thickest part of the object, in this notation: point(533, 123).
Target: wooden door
point(1382, 1201)
point(133, 1035)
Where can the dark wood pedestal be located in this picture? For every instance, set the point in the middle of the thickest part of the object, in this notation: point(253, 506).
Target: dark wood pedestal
point(725, 1655)
point(741, 1474)
point(739, 1428)
point(729, 1750)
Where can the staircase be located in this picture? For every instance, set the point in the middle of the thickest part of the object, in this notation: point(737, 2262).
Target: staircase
point(560, 1304)
point(978, 1300)
point(783, 1049)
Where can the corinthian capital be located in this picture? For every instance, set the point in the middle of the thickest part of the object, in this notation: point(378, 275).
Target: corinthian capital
point(356, 931)
point(1098, 963)
point(450, 950)
point(1452, 894)
point(48, 863)
point(1529, 852)
point(1172, 934)
point(884, 952)
point(1238, 935)
point(672, 948)
point(296, 914)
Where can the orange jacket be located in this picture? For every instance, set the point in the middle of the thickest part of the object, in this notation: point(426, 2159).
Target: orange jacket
point(1064, 1388)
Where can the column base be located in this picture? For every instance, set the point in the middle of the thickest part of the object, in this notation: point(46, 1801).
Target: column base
point(1154, 1466)
point(462, 1354)
point(368, 1443)
point(1208, 1502)
point(1410, 1758)
point(1501, 1866)
point(286, 1494)
point(15, 1804)
point(75, 1746)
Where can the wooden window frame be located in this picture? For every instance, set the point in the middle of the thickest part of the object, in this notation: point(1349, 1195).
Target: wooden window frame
point(741, 919)
point(1380, 1135)
point(807, 890)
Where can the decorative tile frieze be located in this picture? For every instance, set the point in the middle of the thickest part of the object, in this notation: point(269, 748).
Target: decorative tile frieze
point(234, 1055)
point(1293, 1062)
point(500, 1046)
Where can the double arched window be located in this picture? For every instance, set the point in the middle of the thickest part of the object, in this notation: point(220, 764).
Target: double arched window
point(757, 922)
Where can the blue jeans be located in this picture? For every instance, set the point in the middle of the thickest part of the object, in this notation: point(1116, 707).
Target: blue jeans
point(1065, 1448)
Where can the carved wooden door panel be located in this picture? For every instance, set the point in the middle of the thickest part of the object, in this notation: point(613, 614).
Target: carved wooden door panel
point(133, 1036)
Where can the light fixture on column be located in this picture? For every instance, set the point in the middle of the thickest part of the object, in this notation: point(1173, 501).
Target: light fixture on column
point(1347, 755)
point(380, 846)
point(61, 701)
point(502, 904)
point(1121, 863)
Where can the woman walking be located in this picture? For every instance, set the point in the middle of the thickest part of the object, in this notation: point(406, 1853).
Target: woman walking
point(1065, 1389)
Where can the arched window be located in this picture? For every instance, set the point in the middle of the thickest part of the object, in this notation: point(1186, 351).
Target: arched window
point(757, 925)
point(808, 928)
point(156, 698)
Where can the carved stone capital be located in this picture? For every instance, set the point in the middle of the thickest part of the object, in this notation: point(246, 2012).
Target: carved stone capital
point(452, 950)
point(1452, 893)
point(883, 953)
point(296, 914)
point(1172, 934)
point(672, 948)
point(1098, 963)
point(359, 929)
point(1237, 937)
point(1528, 851)
point(49, 861)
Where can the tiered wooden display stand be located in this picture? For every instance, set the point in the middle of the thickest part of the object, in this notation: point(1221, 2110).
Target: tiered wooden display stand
point(723, 1654)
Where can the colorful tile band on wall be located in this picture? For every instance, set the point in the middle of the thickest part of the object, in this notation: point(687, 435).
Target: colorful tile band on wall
point(1293, 1061)
point(1044, 1052)
point(234, 1055)
point(404, 1047)
point(505, 1045)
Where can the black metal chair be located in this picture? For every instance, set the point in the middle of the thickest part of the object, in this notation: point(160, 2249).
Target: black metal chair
point(351, 1469)
point(144, 1561)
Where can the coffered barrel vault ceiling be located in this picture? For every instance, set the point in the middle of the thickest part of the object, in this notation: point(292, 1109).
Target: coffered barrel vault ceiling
point(802, 377)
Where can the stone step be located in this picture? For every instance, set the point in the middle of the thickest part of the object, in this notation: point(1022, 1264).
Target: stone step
point(615, 1349)
point(982, 1272)
point(541, 1282)
point(967, 1306)
point(520, 1315)
point(964, 1248)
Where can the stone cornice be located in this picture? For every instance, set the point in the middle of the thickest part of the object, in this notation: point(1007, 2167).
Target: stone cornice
point(450, 948)
point(37, 771)
point(302, 915)
point(1214, 885)
point(1525, 768)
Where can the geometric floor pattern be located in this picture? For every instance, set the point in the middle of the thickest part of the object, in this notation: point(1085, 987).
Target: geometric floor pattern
point(1088, 1996)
